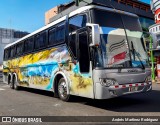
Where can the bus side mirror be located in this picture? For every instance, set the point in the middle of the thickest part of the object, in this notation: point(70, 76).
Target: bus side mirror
point(154, 40)
point(95, 34)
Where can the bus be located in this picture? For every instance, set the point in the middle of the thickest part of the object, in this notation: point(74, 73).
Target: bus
point(94, 51)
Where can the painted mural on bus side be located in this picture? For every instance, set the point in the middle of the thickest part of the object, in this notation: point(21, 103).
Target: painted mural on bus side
point(38, 70)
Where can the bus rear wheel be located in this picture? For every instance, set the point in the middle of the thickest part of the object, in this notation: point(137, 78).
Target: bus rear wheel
point(15, 84)
point(11, 85)
point(62, 90)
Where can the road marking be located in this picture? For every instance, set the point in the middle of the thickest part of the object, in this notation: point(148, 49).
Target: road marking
point(1, 89)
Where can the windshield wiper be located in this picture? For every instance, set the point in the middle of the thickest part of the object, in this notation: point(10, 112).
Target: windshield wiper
point(135, 53)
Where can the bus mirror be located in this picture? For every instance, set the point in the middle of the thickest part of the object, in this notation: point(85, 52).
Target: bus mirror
point(95, 34)
point(154, 41)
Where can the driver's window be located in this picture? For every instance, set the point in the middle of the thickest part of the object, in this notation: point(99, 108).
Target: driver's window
point(75, 23)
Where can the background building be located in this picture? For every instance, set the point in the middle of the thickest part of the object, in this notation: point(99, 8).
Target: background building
point(8, 36)
point(155, 29)
point(143, 10)
point(155, 7)
point(56, 10)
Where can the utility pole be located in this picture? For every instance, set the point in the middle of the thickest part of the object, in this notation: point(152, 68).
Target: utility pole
point(152, 58)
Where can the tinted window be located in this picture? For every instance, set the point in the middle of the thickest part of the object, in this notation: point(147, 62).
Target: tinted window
point(20, 48)
point(52, 36)
point(13, 50)
point(60, 33)
point(29, 45)
point(131, 23)
point(57, 35)
point(83, 52)
point(40, 40)
point(145, 22)
point(77, 22)
point(106, 18)
point(72, 44)
point(7, 53)
point(4, 55)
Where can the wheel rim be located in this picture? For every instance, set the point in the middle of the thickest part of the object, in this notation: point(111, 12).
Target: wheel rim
point(15, 85)
point(62, 89)
point(10, 83)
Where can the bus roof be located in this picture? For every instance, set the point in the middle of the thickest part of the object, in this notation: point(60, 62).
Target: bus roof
point(79, 10)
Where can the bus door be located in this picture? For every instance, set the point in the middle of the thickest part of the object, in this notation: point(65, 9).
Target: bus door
point(85, 70)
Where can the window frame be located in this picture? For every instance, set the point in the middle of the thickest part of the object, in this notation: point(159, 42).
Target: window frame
point(55, 27)
point(30, 51)
point(80, 14)
point(45, 43)
point(35, 50)
point(49, 43)
point(75, 56)
point(19, 55)
point(14, 51)
point(7, 56)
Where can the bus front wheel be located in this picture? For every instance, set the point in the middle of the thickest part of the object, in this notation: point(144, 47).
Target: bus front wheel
point(62, 90)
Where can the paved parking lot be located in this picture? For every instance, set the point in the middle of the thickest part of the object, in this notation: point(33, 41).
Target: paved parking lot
point(29, 102)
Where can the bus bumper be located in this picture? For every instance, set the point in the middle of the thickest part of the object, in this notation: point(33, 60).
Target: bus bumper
point(102, 92)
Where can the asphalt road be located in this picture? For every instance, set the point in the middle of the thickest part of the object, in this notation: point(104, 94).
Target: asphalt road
point(29, 102)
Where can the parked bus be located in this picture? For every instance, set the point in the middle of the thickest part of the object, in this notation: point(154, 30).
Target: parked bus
point(94, 52)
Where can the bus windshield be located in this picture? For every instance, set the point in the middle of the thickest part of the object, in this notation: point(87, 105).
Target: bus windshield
point(122, 44)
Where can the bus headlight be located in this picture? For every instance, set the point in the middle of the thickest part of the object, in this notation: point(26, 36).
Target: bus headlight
point(108, 82)
point(148, 79)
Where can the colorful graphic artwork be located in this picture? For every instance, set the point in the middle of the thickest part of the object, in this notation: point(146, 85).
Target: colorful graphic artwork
point(38, 71)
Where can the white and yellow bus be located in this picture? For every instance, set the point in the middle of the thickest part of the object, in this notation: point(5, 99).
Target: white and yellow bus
point(93, 51)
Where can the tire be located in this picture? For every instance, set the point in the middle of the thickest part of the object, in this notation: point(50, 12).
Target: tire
point(10, 83)
point(62, 90)
point(15, 84)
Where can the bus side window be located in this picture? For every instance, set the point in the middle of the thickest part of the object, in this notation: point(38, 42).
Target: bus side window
point(13, 51)
point(57, 35)
point(28, 45)
point(75, 23)
point(6, 53)
point(31, 44)
point(60, 34)
point(20, 48)
point(40, 40)
point(52, 36)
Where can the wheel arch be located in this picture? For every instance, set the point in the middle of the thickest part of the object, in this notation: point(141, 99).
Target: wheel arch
point(9, 78)
point(57, 77)
point(15, 76)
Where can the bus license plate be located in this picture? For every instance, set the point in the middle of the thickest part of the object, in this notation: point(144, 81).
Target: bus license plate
point(133, 88)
